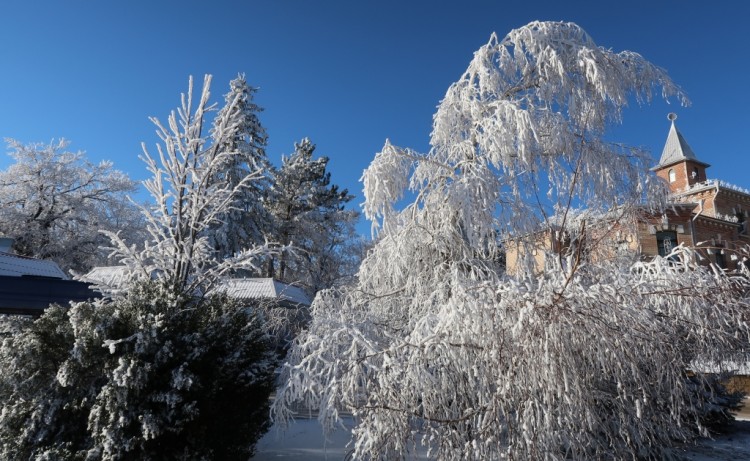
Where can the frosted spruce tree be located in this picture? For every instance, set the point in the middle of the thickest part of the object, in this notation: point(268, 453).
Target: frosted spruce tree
point(247, 223)
point(195, 189)
point(436, 345)
point(166, 369)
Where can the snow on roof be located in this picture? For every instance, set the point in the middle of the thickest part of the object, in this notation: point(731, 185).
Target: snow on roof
point(17, 266)
point(111, 276)
point(264, 288)
point(240, 288)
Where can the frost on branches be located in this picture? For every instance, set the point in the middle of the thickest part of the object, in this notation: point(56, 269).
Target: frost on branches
point(150, 376)
point(54, 202)
point(194, 193)
point(436, 345)
point(166, 369)
point(308, 215)
point(244, 224)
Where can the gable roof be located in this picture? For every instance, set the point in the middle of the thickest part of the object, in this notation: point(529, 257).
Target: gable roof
point(676, 149)
point(264, 288)
point(12, 265)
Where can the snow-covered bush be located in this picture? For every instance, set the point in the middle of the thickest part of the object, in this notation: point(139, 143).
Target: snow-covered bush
point(154, 375)
point(436, 344)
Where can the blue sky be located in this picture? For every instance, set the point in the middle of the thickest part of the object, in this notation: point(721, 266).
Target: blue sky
point(346, 74)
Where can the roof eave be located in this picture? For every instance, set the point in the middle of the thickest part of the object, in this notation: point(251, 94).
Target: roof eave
point(675, 162)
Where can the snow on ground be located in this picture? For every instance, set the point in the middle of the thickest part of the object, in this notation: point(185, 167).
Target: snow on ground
point(732, 446)
point(304, 441)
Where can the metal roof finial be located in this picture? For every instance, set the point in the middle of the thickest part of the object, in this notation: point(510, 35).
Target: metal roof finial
point(672, 116)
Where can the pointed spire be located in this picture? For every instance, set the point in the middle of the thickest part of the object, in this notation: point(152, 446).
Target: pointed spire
point(676, 148)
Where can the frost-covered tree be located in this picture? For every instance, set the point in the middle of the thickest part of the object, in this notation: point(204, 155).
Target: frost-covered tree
point(193, 192)
point(150, 376)
point(54, 202)
point(167, 368)
point(244, 225)
point(436, 344)
point(310, 217)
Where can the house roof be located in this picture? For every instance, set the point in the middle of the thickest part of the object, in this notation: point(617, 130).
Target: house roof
point(12, 265)
point(264, 288)
point(240, 288)
point(111, 276)
point(676, 149)
point(32, 295)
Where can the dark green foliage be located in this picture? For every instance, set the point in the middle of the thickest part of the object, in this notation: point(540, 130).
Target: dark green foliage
point(149, 376)
point(309, 215)
point(715, 403)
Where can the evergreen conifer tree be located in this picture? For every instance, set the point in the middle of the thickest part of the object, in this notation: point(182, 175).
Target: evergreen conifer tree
point(246, 221)
point(309, 216)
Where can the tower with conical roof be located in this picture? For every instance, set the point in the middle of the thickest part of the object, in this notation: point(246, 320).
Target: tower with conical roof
point(678, 164)
point(711, 216)
point(716, 222)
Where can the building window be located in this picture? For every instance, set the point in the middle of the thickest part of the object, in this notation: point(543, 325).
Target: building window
point(719, 256)
point(666, 241)
point(671, 175)
point(740, 214)
point(696, 174)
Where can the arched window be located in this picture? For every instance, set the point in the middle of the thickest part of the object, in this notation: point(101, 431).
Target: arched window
point(671, 175)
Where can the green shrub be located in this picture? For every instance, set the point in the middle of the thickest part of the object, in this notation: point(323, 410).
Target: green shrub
point(153, 375)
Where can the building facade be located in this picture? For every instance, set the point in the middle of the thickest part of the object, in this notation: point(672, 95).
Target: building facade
point(708, 215)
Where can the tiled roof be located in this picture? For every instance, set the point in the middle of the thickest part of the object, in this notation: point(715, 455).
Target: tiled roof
point(16, 266)
point(264, 288)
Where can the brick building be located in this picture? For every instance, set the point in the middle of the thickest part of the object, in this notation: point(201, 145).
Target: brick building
point(706, 214)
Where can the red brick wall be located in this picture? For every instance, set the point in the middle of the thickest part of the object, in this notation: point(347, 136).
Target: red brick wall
point(683, 175)
point(715, 235)
point(647, 240)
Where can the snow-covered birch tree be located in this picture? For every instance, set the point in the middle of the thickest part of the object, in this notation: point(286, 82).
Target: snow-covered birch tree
point(436, 345)
point(193, 191)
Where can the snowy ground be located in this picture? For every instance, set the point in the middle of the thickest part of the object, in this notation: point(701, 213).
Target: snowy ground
point(304, 441)
point(732, 446)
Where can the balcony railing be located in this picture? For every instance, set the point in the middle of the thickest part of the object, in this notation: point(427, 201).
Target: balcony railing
point(714, 183)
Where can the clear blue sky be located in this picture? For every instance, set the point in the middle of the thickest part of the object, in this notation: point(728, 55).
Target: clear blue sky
point(346, 74)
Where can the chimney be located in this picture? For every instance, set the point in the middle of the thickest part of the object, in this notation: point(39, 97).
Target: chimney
point(6, 245)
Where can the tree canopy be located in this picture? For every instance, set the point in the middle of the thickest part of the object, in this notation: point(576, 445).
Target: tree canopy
point(165, 367)
point(309, 217)
point(435, 344)
point(54, 202)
